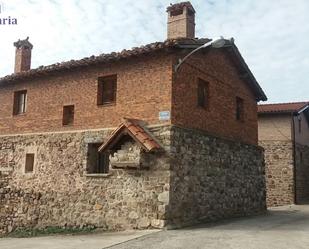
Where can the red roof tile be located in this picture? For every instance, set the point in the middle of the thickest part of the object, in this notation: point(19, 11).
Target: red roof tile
point(168, 45)
point(282, 107)
point(103, 58)
point(136, 131)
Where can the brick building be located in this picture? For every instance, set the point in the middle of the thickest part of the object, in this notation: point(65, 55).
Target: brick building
point(284, 134)
point(122, 140)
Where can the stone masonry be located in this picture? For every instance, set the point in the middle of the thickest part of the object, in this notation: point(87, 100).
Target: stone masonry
point(214, 178)
point(279, 172)
point(195, 177)
point(302, 173)
point(59, 192)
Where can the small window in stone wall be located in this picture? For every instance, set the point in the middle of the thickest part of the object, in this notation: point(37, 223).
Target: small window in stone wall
point(29, 163)
point(97, 163)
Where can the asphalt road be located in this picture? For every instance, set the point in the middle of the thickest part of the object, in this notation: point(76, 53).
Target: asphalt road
point(85, 241)
point(281, 228)
point(285, 227)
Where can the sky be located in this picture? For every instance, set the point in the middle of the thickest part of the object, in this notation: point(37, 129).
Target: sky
point(272, 36)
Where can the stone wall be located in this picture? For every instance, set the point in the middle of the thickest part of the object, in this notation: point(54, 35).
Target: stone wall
point(18, 207)
point(302, 173)
point(279, 172)
point(213, 178)
point(194, 177)
point(59, 192)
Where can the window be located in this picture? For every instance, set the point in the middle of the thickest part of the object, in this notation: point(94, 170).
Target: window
point(107, 87)
point(68, 115)
point(29, 163)
point(239, 109)
point(20, 102)
point(202, 93)
point(97, 162)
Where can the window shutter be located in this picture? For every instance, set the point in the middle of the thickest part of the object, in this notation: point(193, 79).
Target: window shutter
point(68, 115)
point(109, 91)
point(20, 102)
point(107, 87)
point(202, 93)
point(100, 92)
point(15, 104)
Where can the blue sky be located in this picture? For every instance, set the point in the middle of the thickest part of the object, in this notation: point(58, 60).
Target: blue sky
point(273, 36)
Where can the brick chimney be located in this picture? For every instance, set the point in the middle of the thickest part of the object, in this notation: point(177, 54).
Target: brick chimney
point(22, 55)
point(181, 21)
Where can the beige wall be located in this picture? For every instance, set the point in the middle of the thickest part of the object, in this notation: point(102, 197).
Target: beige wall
point(275, 127)
point(275, 135)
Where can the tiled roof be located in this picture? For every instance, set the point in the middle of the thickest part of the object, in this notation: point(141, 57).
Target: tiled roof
point(282, 107)
point(134, 128)
point(180, 6)
point(102, 58)
point(168, 45)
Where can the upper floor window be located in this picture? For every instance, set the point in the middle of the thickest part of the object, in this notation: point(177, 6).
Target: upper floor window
point(239, 109)
point(20, 102)
point(202, 93)
point(68, 115)
point(107, 87)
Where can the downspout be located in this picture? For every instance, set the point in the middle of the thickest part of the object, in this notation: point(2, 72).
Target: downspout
point(294, 157)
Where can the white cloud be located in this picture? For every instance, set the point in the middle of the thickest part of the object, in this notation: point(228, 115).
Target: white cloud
point(271, 35)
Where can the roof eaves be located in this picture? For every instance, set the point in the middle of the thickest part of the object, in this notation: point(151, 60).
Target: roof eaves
point(260, 95)
point(281, 108)
point(303, 109)
point(255, 85)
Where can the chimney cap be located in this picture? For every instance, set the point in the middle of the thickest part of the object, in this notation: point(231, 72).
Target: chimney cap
point(23, 43)
point(179, 6)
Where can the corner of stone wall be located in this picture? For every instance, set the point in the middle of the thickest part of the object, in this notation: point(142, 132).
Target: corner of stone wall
point(213, 178)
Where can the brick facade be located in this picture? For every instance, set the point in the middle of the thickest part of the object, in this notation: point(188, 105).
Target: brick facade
point(145, 87)
point(224, 85)
point(206, 164)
